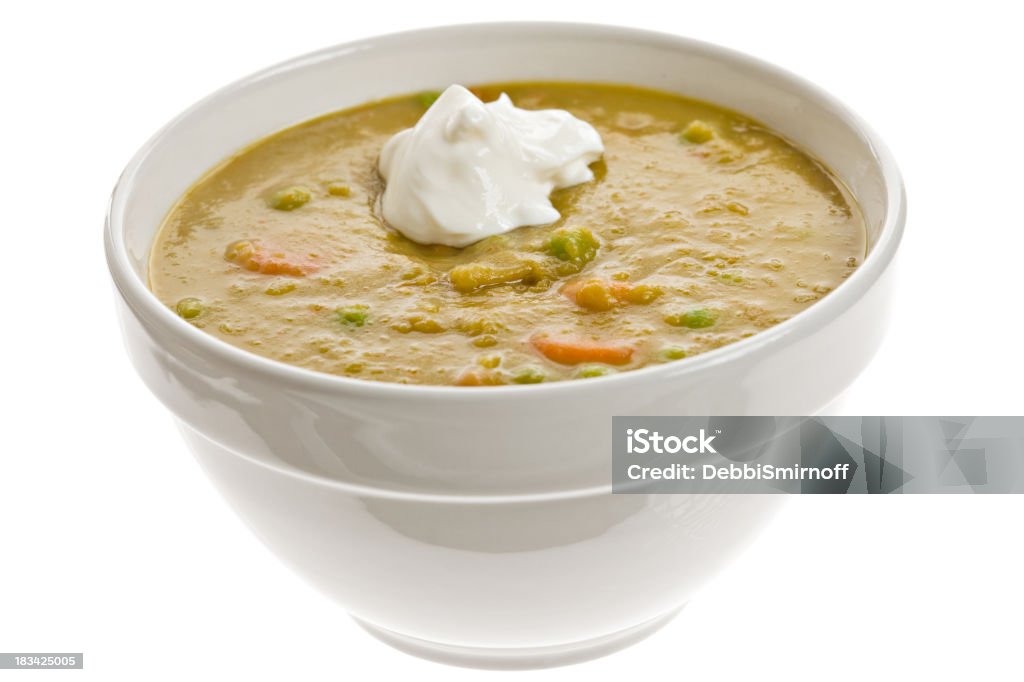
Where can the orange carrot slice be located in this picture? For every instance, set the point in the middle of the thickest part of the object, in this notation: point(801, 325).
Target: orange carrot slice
point(573, 351)
point(257, 257)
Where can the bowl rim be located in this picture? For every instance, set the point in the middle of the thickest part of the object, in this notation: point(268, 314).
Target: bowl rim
point(144, 303)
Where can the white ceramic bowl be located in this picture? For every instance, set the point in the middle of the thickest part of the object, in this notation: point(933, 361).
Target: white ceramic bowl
point(476, 526)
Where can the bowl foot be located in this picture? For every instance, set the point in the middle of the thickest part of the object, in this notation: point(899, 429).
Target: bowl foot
point(518, 658)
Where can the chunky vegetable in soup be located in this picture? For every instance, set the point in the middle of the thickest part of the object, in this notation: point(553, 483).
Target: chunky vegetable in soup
point(700, 228)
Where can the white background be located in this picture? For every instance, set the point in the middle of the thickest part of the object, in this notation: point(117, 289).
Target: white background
point(112, 543)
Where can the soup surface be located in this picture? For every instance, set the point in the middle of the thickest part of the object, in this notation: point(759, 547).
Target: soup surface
point(701, 228)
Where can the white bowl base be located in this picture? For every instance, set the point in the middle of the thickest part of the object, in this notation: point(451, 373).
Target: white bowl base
point(525, 658)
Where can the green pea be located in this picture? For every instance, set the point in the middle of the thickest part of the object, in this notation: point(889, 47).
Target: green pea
point(427, 98)
point(354, 315)
point(697, 132)
point(339, 190)
point(671, 353)
point(289, 198)
point(591, 371)
point(189, 308)
point(698, 318)
point(528, 375)
point(574, 245)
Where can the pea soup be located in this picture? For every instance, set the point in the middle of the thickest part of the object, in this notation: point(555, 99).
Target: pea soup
point(701, 228)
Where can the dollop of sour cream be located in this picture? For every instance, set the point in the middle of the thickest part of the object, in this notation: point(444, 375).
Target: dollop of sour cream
point(469, 170)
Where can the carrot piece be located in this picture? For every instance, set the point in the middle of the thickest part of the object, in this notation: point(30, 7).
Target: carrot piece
point(573, 351)
point(600, 295)
point(570, 288)
point(592, 294)
point(255, 256)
